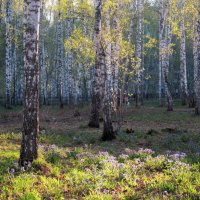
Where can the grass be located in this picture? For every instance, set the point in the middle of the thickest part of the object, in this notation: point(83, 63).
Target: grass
point(160, 160)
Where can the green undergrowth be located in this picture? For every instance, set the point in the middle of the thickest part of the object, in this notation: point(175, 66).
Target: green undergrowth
point(78, 165)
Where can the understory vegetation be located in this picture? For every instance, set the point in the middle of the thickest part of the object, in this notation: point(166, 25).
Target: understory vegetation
point(156, 156)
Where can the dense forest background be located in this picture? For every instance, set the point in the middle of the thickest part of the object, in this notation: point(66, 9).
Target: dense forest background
point(72, 23)
point(99, 100)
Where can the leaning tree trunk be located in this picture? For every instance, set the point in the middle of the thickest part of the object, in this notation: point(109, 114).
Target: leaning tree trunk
point(165, 65)
point(98, 84)
point(29, 145)
point(197, 82)
point(138, 52)
point(183, 65)
point(8, 79)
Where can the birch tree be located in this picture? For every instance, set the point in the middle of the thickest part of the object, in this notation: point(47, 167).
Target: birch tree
point(1, 5)
point(197, 82)
point(69, 59)
point(115, 48)
point(98, 84)
point(30, 133)
point(183, 64)
point(108, 132)
point(8, 73)
point(161, 32)
point(42, 64)
point(138, 52)
point(195, 54)
point(60, 58)
point(165, 43)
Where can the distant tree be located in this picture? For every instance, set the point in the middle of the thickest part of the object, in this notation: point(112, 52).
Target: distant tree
point(8, 73)
point(138, 52)
point(183, 63)
point(60, 56)
point(164, 49)
point(29, 146)
point(1, 5)
point(115, 51)
point(197, 82)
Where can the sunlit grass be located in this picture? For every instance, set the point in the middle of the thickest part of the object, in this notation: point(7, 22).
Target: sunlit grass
point(76, 164)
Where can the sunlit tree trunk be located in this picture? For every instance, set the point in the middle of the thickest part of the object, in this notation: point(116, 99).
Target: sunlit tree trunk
point(197, 82)
point(161, 32)
point(42, 64)
point(1, 5)
point(183, 65)
point(98, 84)
point(29, 144)
point(129, 61)
point(115, 54)
point(195, 54)
point(165, 65)
point(15, 69)
point(69, 60)
point(8, 79)
point(59, 59)
point(86, 71)
point(108, 133)
point(138, 52)
point(165, 44)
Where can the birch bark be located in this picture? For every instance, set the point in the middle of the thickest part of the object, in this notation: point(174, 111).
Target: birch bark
point(197, 82)
point(165, 44)
point(183, 65)
point(8, 78)
point(108, 133)
point(138, 52)
point(115, 54)
point(98, 84)
point(30, 133)
point(59, 59)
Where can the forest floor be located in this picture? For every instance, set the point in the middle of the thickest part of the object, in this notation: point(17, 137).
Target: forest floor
point(160, 159)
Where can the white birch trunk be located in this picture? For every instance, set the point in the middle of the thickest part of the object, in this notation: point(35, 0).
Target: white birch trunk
point(197, 82)
point(183, 65)
point(8, 78)
point(59, 59)
point(161, 32)
point(29, 144)
point(115, 54)
point(164, 51)
point(98, 84)
point(69, 60)
point(195, 53)
point(1, 6)
point(108, 132)
point(138, 52)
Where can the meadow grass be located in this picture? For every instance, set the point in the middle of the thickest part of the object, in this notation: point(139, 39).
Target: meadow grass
point(154, 162)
